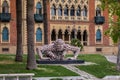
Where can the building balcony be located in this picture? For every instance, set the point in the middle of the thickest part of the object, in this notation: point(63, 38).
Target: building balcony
point(99, 20)
point(38, 18)
point(5, 17)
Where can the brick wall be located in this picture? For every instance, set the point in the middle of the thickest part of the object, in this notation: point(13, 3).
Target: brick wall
point(13, 35)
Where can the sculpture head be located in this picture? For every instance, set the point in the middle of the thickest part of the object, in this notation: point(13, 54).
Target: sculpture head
point(59, 44)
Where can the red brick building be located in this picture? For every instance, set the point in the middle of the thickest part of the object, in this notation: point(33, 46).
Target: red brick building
point(68, 19)
point(7, 25)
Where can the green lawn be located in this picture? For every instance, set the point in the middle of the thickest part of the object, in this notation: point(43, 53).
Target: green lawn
point(7, 65)
point(102, 69)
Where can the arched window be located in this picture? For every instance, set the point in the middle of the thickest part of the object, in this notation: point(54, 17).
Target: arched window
point(38, 35)
point(85, 37)
point(53, 35)
point(5, 34)
point(60, 10)
point(79, 35)
point(5, 7)
point(78, 12)
point(85, 11)
point(73, 35)
point(72, 11)
point(38, 8)
point(60, 34)
point(53, 10)
point(66, 35)
point(98, 35)
point(98, 11)
point(66, 11)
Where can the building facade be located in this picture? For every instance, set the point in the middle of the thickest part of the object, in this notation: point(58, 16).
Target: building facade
point(68, 19)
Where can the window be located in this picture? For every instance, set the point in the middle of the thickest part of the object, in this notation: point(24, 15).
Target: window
point(66, 11)
point(5, 7)
point(38, 35)
point(72, 11)
point(53, 10)
point(98, 11)
point(98, 35)
point(98, 49)
point(38, 8)
point(66, 35)
point(60, 34)
point(5, 49)
point(79, 35)
point(78, 12)
point(53, 35)
point(85, 11)
point(85, 37)
point(60, 11)
point(5, 34)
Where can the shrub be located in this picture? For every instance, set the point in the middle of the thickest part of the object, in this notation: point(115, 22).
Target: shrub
point(76, 42)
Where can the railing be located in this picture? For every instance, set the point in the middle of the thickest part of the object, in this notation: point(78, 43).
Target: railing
point(59, 17)
point(78, 18)
point(26, 76)
point(38, 18)
point(99, 20)
point(5, 17)
point(70, 18)
point(66, 18)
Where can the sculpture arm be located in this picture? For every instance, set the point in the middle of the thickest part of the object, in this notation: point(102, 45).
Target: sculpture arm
point(39, 52)
point(74, 49)
point(46, 50)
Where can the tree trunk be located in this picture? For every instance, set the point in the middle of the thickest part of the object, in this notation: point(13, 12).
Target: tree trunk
point(45, 21)
point(19, 50)
point(118, 58)
point(31, 61)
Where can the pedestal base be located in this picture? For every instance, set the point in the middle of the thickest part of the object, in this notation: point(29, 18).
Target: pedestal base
point(60, 62)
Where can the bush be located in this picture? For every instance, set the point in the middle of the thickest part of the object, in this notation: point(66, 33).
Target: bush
point(76, 42)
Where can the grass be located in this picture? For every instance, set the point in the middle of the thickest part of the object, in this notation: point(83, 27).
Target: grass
point(8, 65)
point(101, 70)
point(103, 67)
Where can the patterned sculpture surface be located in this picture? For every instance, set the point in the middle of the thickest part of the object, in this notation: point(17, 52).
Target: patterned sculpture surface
point(57, 50)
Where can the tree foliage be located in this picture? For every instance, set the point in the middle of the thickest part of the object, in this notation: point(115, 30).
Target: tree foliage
point(113, 7)
point(113, 31)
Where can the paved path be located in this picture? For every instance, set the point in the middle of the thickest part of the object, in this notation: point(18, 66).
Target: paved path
point(111, 58)
point(64, 78)
point(83, 74)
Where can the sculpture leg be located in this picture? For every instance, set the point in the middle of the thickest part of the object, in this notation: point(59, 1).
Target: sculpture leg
point(76, 53)
point(39, 53)
point(50, 55)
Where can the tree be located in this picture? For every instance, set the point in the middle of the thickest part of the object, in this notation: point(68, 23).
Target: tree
point(45, 21)
point(19, 50)
point(31, 62)
point(113, 31)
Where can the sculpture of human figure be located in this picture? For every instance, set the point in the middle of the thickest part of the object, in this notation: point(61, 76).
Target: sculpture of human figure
point(57, 50)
